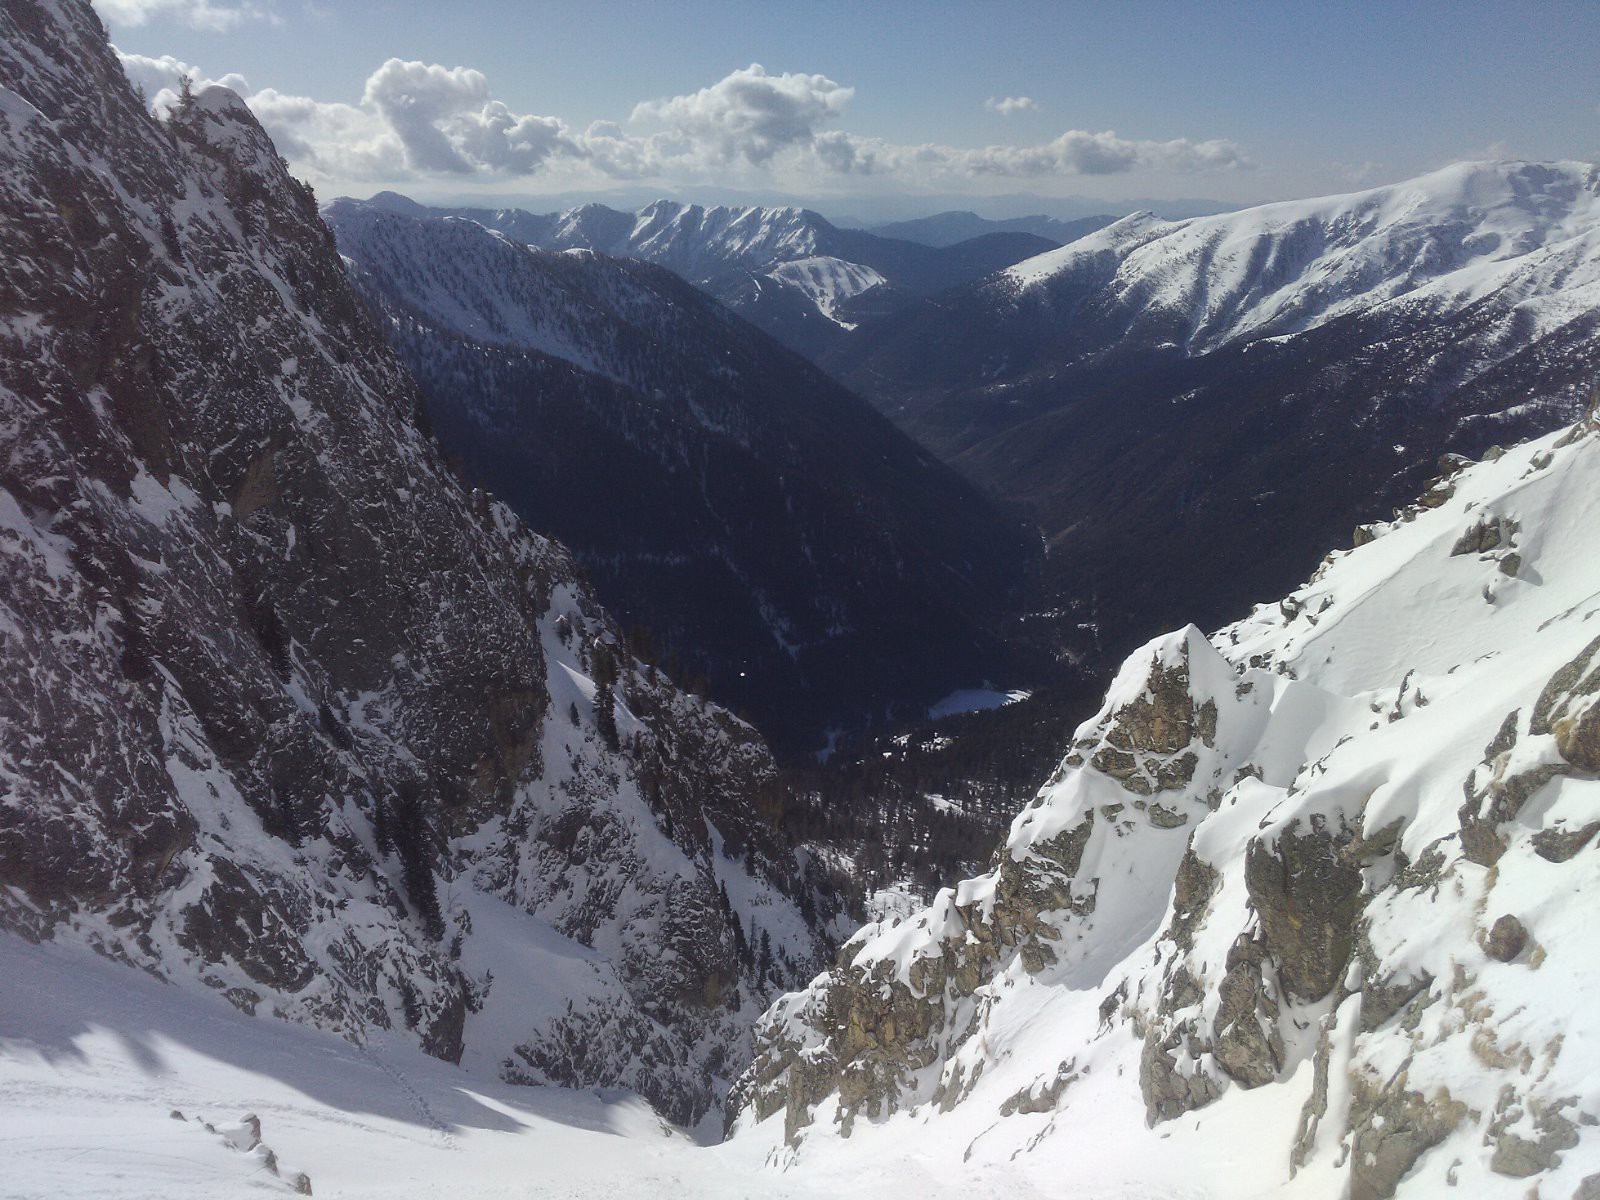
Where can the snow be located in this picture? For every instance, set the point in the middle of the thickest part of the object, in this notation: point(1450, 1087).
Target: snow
point(479, 285)
point(827, 282)
point(670, 232)
point(1526, 232)
point(1119, 238)
point(17, 110)
point(701, 244)
point(894, 902)
point(96, 1056)
point(969, 700)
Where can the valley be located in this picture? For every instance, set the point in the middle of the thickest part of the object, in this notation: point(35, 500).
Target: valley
point(708, 700)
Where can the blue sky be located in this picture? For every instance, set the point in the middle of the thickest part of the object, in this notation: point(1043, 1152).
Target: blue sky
point(1237, 102)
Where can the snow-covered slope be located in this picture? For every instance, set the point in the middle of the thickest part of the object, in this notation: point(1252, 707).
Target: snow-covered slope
point(1305, 910)
point(1526, 234)
point(114, 1087)
point(483, 287)
point(695, 240)
point(287, 713)
point(1508, 252)
point(827, 282)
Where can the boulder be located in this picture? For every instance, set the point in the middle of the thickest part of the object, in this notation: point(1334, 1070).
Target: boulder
point(1508, 937)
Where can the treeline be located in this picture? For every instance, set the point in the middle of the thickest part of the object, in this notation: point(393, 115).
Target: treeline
point(928, 803)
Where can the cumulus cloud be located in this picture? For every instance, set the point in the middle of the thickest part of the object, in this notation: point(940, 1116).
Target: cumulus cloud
point(1076, 152)
point(447, 123)
point(414, 119)
point(418, 120)
point(616, 154)
point(1010, 104)
point(161, 78)
point(208, 15)
point(747, 115)
point(337, 141)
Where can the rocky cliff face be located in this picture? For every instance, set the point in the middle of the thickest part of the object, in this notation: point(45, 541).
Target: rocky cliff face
point(289, 714)
point(1302, 909)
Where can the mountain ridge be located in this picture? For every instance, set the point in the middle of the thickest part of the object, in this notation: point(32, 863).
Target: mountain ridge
point(291, 716)
point(775, 533)
point(1173, 386)
point(736, 253)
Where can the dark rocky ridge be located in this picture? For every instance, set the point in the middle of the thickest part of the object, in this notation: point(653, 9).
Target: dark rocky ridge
point(278, 691)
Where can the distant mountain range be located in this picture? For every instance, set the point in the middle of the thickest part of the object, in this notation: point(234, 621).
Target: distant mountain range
point(847, 212)
point(949, 228)
point(773, 531)
point(1217, 399)
point(788, 271)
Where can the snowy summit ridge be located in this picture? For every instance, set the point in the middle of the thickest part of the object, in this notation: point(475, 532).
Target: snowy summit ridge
point(1526, 233)
point(1231, 393)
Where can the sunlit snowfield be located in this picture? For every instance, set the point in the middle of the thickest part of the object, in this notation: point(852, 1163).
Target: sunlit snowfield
point(96, 1059)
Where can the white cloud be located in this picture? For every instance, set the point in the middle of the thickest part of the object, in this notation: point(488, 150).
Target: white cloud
point(160, 78)
point(208, 15)
point(448, 124)
point(1010, 104)
point(747, 115)
point(417, 120)
point(1076, 152)
point(330, 140)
